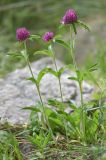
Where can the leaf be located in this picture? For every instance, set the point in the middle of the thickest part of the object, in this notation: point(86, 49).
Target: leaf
point(45, 71)
point(54, 73)
point(41, 74)
point(32, 80)
point(93, 67)
point(74, 28)
point(94, 79)
point(61, 70)
point(14, 54)
point(72, 105)
point(61, 26)
point(50, 48)
point(32, 108)
point(62, 114)
point(47, 139)
point(55, 121)
point(73, 78)
point(63, 43)
point(49, 111)
point(82, 24)
point(34, 140)
point(94, 108)
point(44, 52)
point(79, 75)
point(58, 36)
point(56, 103)
point(4, 136)
point(11, 145)
point(23, 53)
point(34, 37)
point(69, 66)
point(62, 29)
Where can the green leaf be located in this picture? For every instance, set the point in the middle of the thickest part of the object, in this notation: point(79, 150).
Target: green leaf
point(32, 80)
point(94, 79)
point(74, 28)
point(62, 29)
point(45, 71)
point(32, 108)
point(44, 52)
point(61, 70)
point(82, 24)
point(11, 145)
point(23, 53)
point(69, 66)
point(47, 139)
point(55, 121)
point(4, 136)
point(50, 48)
point(41, 74)
point(94, 108)
point(49, 111)
point(34, 140)
point(34, 37)
point(93, 67)
point(51, 71)
point(72, 44)
point(63, 43)
point(73, 78)
point(61, 26)
point(15, 54)
point(79, 75)
point(72, 105)
point(56, 103)
point(58, 36)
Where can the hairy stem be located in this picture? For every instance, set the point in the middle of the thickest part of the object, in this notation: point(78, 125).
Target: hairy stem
point(82, 110)
point(60, 87)
point(82, 125)
point(30, 69)
point(38, 90)
point(54, 60)
point(71, 50)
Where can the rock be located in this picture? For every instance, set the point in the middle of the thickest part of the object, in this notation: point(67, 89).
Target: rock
point(16, 92)
point(88, 43)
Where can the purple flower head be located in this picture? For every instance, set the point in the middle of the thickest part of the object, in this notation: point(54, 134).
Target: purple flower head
point(69, 17)
point(22, 34)
point(48, 36)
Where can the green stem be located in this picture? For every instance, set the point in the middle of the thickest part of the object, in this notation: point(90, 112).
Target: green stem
point(71, 50)
point(38, 90)
point(54, 60)
point(82, 110)
point(82, 127)
point(29, 66)
point(81, 93)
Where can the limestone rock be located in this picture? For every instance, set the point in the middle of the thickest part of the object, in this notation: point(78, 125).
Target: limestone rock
point(16, 92)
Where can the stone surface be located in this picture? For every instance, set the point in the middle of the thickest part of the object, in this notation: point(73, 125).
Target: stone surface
point(16, 92)
point(87, 43)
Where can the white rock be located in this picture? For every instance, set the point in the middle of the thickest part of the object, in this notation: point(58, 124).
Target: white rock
point(16, 92)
